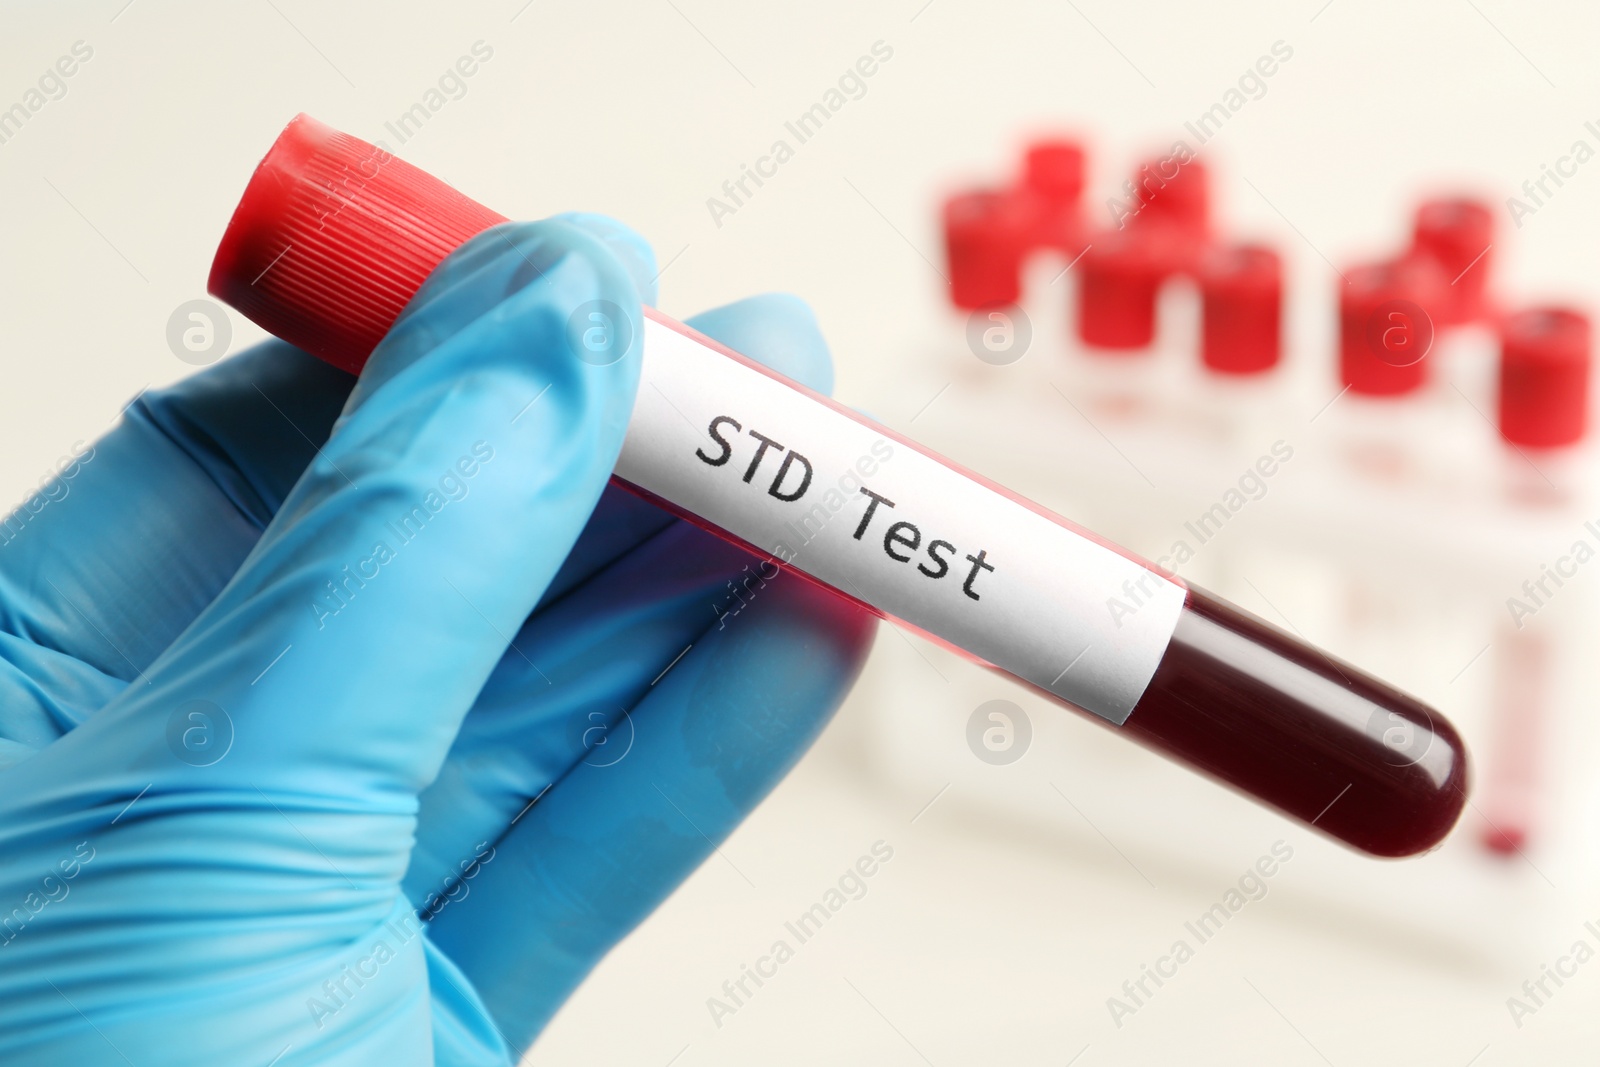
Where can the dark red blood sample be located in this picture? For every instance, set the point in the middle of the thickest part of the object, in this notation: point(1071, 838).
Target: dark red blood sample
point(1241, 300)
point(1119, 278)
point(1239, 700)
point(1544, 377)
point(985, 234)
point(1386, 325)
point(1457, 233)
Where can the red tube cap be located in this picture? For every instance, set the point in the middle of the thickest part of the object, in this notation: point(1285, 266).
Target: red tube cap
point(985, 239)
point(333, 237)
point(1172, 207)
point(1053, 168)
point(1050, 192)
point(1172, 192)
point(1457, 233)
point(1386, 325)
point(1544, 377)
point(1120, 275)
point(1241, 298)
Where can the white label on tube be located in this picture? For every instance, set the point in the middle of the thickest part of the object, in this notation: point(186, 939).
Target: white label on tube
point(929, 545)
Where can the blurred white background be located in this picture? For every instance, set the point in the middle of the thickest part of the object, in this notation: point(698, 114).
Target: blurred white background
point(1006, 917)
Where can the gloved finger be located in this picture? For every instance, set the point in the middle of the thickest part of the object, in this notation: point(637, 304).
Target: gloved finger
point(441, 311)
point(608, 843)
point(43, 694)
point(639, 587)
point(781, 327)
point(140, 530)
point(591, 657)
point(355, 636)
point(131, 536)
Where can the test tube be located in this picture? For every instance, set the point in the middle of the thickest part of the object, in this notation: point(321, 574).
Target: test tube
point(1120, 280)
point(1545, 366)
point(985, 243)
point(1241, 292)
point(1386, 349)
point(1543, 408)
point(1236, 398)
point(1051, 186)
point(1457, 233)
point(333, 236)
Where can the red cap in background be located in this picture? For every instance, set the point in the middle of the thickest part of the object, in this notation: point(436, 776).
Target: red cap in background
point(1053, 168)
point(1173, 208)
point(1118, 280)
point(1051, 190)
point(1241, 301)
point(1386, 325)
point(1457, 233)
point(1544, 377)
point(1174, 192)
point(985, 235)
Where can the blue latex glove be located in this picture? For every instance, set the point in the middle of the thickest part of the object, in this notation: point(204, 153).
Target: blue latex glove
point(267, 693)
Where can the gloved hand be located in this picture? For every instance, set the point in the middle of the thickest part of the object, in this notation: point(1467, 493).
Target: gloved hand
point(283, 665)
